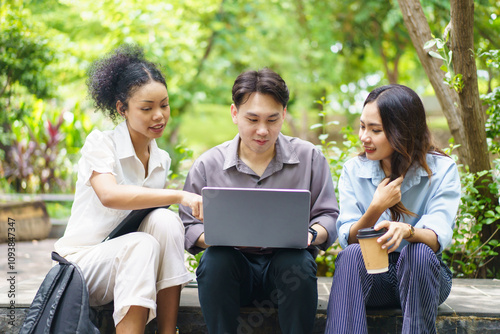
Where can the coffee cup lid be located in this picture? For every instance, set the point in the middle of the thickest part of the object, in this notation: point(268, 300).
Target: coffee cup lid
point(370, 232)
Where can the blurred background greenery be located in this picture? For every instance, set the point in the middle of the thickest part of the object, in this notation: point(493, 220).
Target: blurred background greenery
point(330, 53)
point(336, 49)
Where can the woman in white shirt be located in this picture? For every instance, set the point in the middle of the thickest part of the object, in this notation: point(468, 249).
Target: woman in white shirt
point(123, 170)
point(403, 183)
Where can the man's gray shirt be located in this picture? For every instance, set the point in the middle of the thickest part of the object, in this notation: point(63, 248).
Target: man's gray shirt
point(297, 164)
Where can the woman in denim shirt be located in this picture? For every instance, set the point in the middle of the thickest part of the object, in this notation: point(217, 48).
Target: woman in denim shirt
point(403, 183)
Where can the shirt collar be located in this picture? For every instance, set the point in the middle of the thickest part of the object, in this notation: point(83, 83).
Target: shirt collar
point(285, 153)
point(125, 148)
point(371, 169)
point(123, 142)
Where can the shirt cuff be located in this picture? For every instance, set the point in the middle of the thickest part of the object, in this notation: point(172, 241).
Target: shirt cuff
point(344, 234)
point(193, 232)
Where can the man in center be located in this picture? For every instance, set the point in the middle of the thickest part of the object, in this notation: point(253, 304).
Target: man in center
point(260, 156)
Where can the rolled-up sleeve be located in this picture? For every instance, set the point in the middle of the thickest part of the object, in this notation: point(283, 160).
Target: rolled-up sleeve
point(98, 154)
point(442, 207)
point(324, 208)
point(195, 181)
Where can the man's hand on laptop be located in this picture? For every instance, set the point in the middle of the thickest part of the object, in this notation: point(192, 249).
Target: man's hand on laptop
point(194, 201)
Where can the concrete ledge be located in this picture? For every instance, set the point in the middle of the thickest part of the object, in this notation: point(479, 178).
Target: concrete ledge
point(473, 307)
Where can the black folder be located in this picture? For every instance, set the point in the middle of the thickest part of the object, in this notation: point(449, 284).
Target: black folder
point(131, 222)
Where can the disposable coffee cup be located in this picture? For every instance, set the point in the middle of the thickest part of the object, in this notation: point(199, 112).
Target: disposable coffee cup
point(376, 259)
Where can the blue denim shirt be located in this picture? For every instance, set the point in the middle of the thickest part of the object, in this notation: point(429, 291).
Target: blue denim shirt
point(435, 201)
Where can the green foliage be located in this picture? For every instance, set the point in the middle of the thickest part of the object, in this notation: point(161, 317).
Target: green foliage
point(44, 145)
point(336, 156)
point(326, 261)
point(468, 254)
point(180, 155)
point(453, 80)
point(59, 210)
point(24, 52)
point(493, 122)
point(193, 261)
point(492, 100)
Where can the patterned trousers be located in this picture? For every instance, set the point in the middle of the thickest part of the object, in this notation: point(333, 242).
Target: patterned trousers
point(417, 281)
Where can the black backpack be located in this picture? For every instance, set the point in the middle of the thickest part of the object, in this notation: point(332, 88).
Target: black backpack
point(61, 304)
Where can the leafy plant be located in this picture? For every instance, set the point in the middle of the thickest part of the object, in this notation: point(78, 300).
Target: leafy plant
point(41, 154)
point(453, 80)
point(468, 254)
point(492, 100)
point(193, 261)
point(336, 156)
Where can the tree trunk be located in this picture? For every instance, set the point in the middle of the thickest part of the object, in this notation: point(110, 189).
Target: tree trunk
point(420, 33)
point(462, 46)
point(462, 110)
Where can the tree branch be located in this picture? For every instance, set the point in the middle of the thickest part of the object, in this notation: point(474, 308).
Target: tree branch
point(419, 31)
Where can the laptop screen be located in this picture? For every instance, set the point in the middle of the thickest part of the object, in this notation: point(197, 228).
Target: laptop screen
point(256, 217)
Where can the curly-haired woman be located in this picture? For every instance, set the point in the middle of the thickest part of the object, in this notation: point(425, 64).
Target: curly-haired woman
point(122, 170)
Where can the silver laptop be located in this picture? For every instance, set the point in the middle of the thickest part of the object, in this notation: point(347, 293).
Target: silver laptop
point(251, 217)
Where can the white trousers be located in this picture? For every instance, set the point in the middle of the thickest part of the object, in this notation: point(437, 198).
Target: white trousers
point(132, 268)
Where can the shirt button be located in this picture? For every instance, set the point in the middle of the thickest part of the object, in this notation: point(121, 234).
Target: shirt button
point(259, 183)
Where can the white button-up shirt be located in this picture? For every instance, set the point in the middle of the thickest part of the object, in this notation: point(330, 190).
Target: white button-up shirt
point(107, 152)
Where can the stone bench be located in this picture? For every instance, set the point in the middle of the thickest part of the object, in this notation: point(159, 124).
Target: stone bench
point(473, 307)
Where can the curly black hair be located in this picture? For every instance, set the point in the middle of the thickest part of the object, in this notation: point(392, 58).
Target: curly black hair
point(117, 75)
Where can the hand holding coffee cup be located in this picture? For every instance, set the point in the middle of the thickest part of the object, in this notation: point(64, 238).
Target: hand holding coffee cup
point(376, 259)
point(395, 232)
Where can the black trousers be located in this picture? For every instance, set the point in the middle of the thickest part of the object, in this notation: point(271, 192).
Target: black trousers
point(284, 282)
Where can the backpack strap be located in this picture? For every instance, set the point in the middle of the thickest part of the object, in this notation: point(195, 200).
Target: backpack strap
point(59, 258)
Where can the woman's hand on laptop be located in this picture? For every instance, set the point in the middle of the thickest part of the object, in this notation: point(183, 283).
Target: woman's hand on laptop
point(193, 201)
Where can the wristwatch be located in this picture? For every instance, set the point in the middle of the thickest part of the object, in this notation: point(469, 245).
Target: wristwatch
point(314, 233)
point(412, 231)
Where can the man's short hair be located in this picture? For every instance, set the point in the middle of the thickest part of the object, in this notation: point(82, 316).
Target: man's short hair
point(264, 81)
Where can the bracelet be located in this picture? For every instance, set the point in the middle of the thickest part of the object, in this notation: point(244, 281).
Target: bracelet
point(412, 231)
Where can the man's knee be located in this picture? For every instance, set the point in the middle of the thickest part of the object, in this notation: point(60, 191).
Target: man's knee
point(221, 261)
point(293, 268)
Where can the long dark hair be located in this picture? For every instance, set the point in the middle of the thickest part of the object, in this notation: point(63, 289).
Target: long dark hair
point(405, 126)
